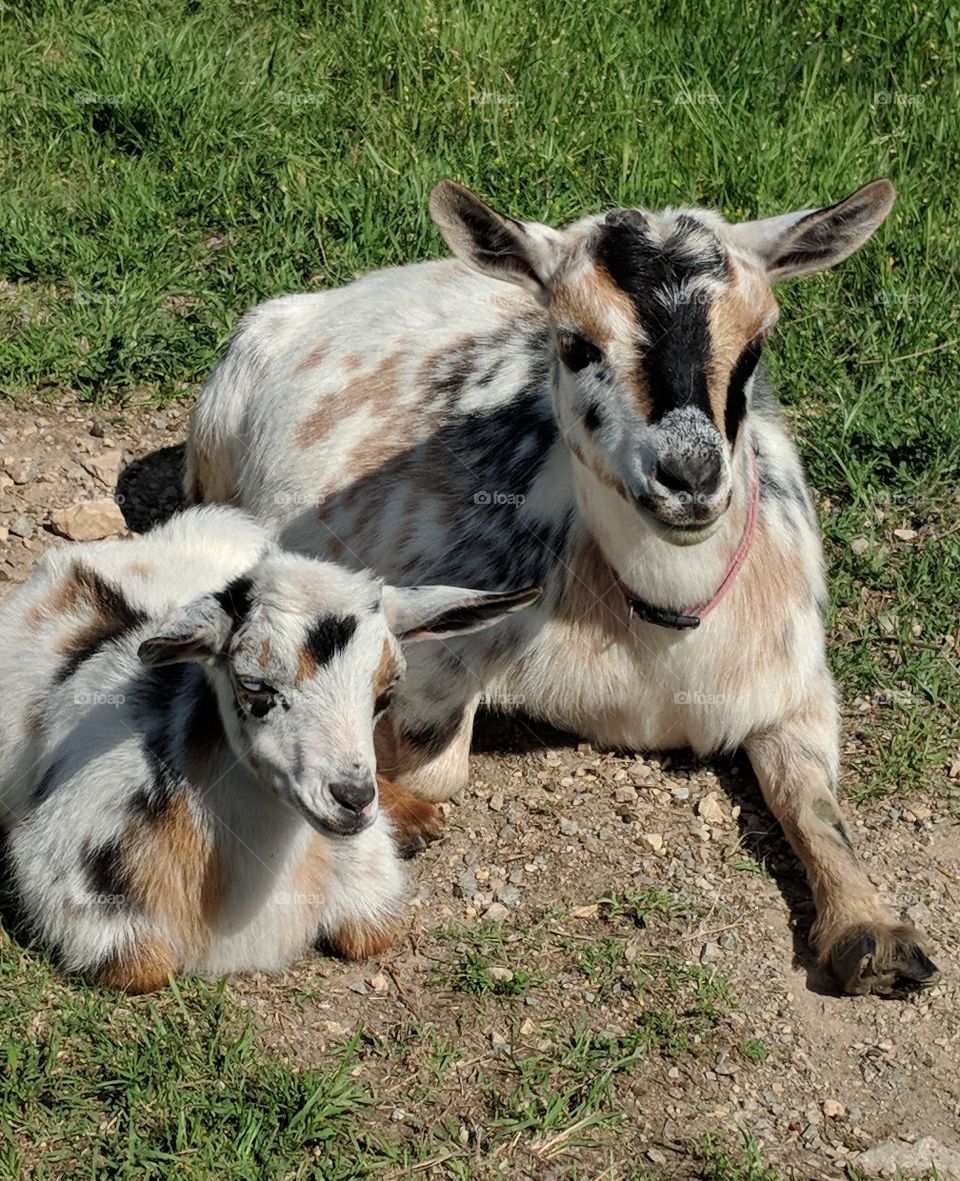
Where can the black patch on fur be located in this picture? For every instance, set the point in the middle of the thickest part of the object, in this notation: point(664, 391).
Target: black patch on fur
point(433, 738)
point(113, 618)
point(105, 874)
point(737, 387)
point(235, 599)
point(593, 417)
point(674, 319)
point(46, 785)
point(328, 636)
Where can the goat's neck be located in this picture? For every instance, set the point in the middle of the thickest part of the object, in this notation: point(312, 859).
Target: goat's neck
point(651, 568)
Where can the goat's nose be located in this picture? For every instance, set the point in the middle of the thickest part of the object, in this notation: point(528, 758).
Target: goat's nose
point(698, 475)
point(354, 794)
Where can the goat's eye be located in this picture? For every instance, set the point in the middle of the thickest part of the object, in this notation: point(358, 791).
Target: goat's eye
point(252, 686)
point(576, 352)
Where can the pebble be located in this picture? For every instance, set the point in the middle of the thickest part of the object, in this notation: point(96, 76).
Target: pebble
point(508, 895)
point(496, 912)
point(709, 809)
point(709, 953)
point(859, 546)
point(21, 526)
point(654, 840)
point(379, 983)
point(501, 975)
point(832, 1109)
point(569, 828)
point(892, 1158)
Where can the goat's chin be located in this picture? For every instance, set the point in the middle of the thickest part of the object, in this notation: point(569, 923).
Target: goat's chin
point(688, 537)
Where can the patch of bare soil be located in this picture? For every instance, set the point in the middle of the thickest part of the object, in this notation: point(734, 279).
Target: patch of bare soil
point(606, 961)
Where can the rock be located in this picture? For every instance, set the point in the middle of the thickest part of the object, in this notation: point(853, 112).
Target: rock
point(466, 885)
point(508, 895)
point(527, 1027)
point(496, 802)
point(160, 424)
point(97, 429)
point(496, 912)
point(501, 975)
point(654, 840)
point(709, 809)
point(833, 1110)
point(358, 986)
point(104, 467)
point(905, 534)
point(709, 953)
point(4, 533)
point(499, 1042)
point(21, 526)
point(893, 1157)
point(379, 983)
point(585, 912)
point(920, 915)
point(859, 546)
point(89, 520)
point(21, 469)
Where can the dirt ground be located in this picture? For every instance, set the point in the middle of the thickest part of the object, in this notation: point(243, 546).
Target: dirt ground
point(576, 897)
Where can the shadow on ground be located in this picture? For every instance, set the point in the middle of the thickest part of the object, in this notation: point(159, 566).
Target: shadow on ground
point(149, 491)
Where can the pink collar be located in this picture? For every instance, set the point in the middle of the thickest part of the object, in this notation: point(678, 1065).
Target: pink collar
point(692, 616)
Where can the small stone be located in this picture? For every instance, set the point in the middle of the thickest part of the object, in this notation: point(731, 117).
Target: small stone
point(160, 424)
point(832, 1109)
point(466, 885)
point(527, 1027)
point(569, 828)
point(681, 793)
point(728, 941)
point(21, 526)
point(709, 953)
point(656, 1156)
point(498, 1041)
point(89, 520)
point(496, 912)
point(585, 912)
point(379, 983)
point(895, 1157)
point(625, 795)
point(654, 840)
point(4, 533)
point(358, 986)
point(905, 534)
point(104, 467)
point(98, 430)
point(21, 469)
point(496, 802)
point(501, 975)
point(508, 895)
point(859, 546)
point(710, 811)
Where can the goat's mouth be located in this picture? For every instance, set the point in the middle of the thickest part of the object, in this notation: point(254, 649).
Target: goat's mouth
point(679, 533)
point(337, 821)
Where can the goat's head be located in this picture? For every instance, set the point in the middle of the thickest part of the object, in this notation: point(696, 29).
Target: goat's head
point(658, 322)
point(303, 656)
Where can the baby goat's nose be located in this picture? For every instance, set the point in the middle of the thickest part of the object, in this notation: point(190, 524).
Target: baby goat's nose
point(354, 794)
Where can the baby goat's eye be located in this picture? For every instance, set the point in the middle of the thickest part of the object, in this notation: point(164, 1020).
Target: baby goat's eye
point(252, 686)
point(576, 352)
point(256, 696)
point(384, 699)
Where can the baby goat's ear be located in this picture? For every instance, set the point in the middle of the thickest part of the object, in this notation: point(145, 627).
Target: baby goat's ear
point(433, 612)
point(198, 631)
point(815, 239)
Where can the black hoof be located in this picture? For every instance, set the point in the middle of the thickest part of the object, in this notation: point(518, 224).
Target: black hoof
point(882, 961)
point(409, 846)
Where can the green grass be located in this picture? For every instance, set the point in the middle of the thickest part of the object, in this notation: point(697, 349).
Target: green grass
point(165, 166)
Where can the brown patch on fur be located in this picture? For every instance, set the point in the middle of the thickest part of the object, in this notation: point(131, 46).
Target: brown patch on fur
point(316, 356)
point(141, 569)
point(387, 670)
point(351, 363)
point(264, 660)
point(411, 815)
point(144, 967)
point(358, 940)
point(33, 720)
point(175, 874)
point(592, 304)
point(306, 666)
point(736, 316)
point(311, 878)
point(109, 614)
point(376, 389)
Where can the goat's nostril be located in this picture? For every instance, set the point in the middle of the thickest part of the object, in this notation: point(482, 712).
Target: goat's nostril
point(700, 475)
point(354, 794)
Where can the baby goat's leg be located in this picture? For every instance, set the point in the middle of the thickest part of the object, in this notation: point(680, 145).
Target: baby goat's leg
point(867, 948)
point(414, 820)
point(145, 966)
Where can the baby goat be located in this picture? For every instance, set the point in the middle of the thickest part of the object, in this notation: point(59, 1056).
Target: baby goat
point(188, 768)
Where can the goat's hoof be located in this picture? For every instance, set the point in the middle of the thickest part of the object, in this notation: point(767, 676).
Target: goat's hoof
point(419, 826)
point(882, 960)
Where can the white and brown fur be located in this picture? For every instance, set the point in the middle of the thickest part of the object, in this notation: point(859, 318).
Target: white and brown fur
point(575, 408)
point(187, 767)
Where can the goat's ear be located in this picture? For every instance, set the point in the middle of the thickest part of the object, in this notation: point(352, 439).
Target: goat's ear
point(815, 239)
point(198, 632)
point(434, 612)
point(521, 252)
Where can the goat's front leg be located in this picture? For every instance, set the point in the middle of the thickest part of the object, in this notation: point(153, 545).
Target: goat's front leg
point(864, 944)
